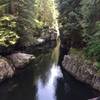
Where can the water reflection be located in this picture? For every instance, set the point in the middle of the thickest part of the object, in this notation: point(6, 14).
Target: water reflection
point(33, 82)
point(20, 88)
point(47, 91)
point(43, 80)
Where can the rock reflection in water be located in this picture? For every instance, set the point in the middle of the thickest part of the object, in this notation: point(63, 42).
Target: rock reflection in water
point(43, 80)
point(29, 84)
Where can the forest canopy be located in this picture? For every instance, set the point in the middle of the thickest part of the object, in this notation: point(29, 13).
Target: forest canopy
point(21, 19)
point(80, 24)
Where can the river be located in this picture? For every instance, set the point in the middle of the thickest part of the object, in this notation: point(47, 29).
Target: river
point(45, 80)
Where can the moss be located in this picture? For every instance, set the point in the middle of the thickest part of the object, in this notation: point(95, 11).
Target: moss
point(98, 65)
point(98, 73)
point(81, 55)
point(78, 52)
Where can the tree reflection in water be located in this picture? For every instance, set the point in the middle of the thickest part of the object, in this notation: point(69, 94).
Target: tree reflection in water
point(24, 85)
point(43, 80)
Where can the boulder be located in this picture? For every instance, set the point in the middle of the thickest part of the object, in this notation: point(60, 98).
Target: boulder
point(19, 60)
point(6, 69)
point(82, 70)
point(12, 62)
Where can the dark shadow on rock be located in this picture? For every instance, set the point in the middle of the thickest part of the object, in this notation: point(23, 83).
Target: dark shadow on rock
point(21, 87)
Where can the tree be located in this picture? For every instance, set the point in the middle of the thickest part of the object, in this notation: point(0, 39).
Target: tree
point(69, 19)
point(31, 16)
point(80, 21)
point(8, 34)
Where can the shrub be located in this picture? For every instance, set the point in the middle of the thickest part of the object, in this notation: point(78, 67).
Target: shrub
point(98, 65)
point(8, 35)
point(93, 49)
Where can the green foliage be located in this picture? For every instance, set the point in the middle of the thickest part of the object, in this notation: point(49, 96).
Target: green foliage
point(44, 10)
point(32, 16)
point(93, 49)
point(92, 31)
point(98, 65)
point(70, 17)
point(39, 24)
point(80, 20)
point(8, 33)
point(25, 18)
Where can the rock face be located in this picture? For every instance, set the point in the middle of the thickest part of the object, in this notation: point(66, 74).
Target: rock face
point(6, 69)
point(15, 61)
point(20, 59)
point(82, 70)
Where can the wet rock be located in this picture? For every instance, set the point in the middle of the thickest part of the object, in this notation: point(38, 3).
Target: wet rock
point(12, 62)
point(20, 59)
point(82, 70)
point(6, 69)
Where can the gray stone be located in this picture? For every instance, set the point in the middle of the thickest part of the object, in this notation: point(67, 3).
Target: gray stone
point(14, 61)
point(20, 59)
point(6, 69)
point(82, 70)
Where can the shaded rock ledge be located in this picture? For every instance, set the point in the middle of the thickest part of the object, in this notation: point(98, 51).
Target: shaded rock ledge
point(13, 62)
point(82, 70)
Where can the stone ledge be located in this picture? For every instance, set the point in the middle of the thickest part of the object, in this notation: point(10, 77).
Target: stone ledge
point(9, 64)
point(82, 70)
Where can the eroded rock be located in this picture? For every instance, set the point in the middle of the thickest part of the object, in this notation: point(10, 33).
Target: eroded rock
point(14, 61)
point(82, 70)
point(20, 59)
point(6, 69)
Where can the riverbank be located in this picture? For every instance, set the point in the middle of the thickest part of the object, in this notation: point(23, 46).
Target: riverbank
point(12, 63)
point(15, 58)
point(82, 69)
point(44, 79)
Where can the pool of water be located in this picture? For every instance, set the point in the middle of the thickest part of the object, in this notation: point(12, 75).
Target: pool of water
point(45, 80)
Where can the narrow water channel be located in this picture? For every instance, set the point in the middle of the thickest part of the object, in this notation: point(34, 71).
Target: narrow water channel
point(45, 80)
